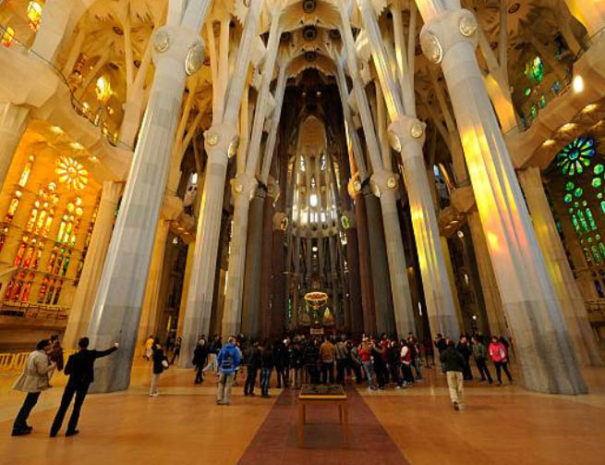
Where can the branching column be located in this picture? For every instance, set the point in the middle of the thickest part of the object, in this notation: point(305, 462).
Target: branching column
point(220, 142)
point(117, 306)
point(542, 344)
point(572, 304)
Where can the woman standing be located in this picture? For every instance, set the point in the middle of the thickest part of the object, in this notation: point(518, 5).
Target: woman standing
point(160, 363)
point(33, 380)
point(465, 349)
point(365, 355)
point(499, 355)
point(265, 369)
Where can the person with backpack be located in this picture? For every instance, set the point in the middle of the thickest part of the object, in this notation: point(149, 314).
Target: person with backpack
point(228, 360)
point(80, 368)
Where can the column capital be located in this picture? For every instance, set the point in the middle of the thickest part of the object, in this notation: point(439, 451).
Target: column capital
point(280, 221)
point(384, 181)
point(244, 185)
point(179, 43)
point(406, 130)
point(221, 141)
point(446, 30)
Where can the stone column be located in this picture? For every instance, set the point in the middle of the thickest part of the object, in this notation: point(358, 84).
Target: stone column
point(266, 265)
point(355, 288)
point(254, 264)
point(186, 279)
point(118, 302)
point(151, 300)
point(13, 122)
point(572, 304)
point(221, 142)
point(278, 278)
point(548, 362)
point(53, 27)
point(591, 13)
point(81, 307)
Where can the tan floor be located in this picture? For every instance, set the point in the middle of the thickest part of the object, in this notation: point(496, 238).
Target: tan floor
point(502, 425)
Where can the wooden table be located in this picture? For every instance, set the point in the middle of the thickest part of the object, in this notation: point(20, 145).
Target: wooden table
point(320, 394)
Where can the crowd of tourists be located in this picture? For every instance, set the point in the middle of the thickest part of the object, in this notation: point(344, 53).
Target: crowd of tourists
point(379, 363)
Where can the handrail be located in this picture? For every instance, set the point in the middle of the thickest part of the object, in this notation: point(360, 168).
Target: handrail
point(16, 361)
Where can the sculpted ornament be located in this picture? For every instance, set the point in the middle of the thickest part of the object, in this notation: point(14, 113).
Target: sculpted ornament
point(161, 41)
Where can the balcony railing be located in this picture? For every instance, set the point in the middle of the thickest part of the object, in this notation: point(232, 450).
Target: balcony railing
point(33, 311)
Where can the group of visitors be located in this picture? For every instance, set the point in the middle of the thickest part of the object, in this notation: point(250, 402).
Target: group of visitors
point(455, 362)
point(39, 369)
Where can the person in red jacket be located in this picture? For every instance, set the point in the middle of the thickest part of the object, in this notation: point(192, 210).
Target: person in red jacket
point(499, 355)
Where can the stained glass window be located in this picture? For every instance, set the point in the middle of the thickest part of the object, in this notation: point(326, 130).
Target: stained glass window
point(534, 70)
point(34, 15)
point(576, 156)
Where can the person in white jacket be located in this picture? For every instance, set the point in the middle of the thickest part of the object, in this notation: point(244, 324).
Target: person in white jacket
point(33, 380)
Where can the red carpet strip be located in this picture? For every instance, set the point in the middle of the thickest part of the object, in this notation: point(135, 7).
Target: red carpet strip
point(276, 441)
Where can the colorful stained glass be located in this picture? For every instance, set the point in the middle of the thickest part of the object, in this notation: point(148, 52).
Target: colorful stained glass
point(599, 169)
point(576, 156)
point(595, 253)
point(578, 191)
point(528, 92)
point(592, 223)
point(576, 224)
point(34, 15)
point(583, 222)
point(602, 249)
point(568, 198)
point(8, 37)
point(534, 70)
point(27, 170)
point(542, 101)
point(597, 182)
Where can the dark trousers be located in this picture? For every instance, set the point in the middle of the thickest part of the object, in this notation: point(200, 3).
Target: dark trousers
point(250, 380)
point(282, 375)
point(502, 366)
point(327, 372)
point(381, 374)
point(357, 370)
point(341, 366)
point(28, 404)
point(68, 394)
point(483, 370)
point(408, 377)
point(199, 374)
point(265, 377)
point(396, 373)
point(313, 373)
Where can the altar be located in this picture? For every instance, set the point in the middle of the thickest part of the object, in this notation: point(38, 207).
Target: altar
point(321, 394)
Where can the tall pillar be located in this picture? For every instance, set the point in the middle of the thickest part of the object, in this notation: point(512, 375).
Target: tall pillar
point(151, 300)
point(355, 290)
point(278, 290)
point(186, 279)
point(116, 313)
point(591, 13)
point(385, 319)
point(81, 307)
point(251, 317)
point(13, 122)
point(572, 304)
point(221, 142)
point(266, 264)
point(407, 136)
point(548, 362)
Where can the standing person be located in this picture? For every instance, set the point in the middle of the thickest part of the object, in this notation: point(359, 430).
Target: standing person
point(452, 362)
point(80, 368)
point(200, 355)
point(296, 362)
point(33, 380)
point(228, 360)
point(395, 363)
point(267, 360)
point(465, 349)
point(176, 350)
point(252, 359)
point(280, 361)
point(160, 363)
point(480, 355)
point(499, 355)
point(327, 354)
point(365, 355)
point(380, 367)
point(148, 347)
point(343, 357)
point(406, 363)
point(416, 355)
point(355, 361)
point(56, 352)
point(441, 345)
point(311, 359)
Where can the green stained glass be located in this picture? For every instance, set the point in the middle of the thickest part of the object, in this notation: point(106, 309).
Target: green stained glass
point(602, 249)
point(587, 255)
point(542, 101)
point(533, 112)
point(583, 222)
point(599, 169)
point(568, 198)
point(576, 224)
point(597, 237)
point(595, 253)
point(597, 182)
point(584, 203)
point(534, 70)
point(600, 195)
point(576, 204)
point(569, 186)
point(570, 211)
point(528, 92)
point(577, 155)
point(578, 192)
point(589, 240)
point(603, 206)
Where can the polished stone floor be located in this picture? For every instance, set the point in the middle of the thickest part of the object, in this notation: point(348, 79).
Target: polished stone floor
point(501, 425)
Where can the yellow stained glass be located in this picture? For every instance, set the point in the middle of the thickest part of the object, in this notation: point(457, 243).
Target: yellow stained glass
point(71, 173)
point(34, 15)
point(27, 170)
point(8, 37)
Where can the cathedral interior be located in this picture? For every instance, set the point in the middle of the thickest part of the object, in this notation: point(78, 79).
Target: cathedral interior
point(264, 168)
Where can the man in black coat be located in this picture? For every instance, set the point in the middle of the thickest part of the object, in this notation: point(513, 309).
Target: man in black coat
point(80, 368)
point(453, 364)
